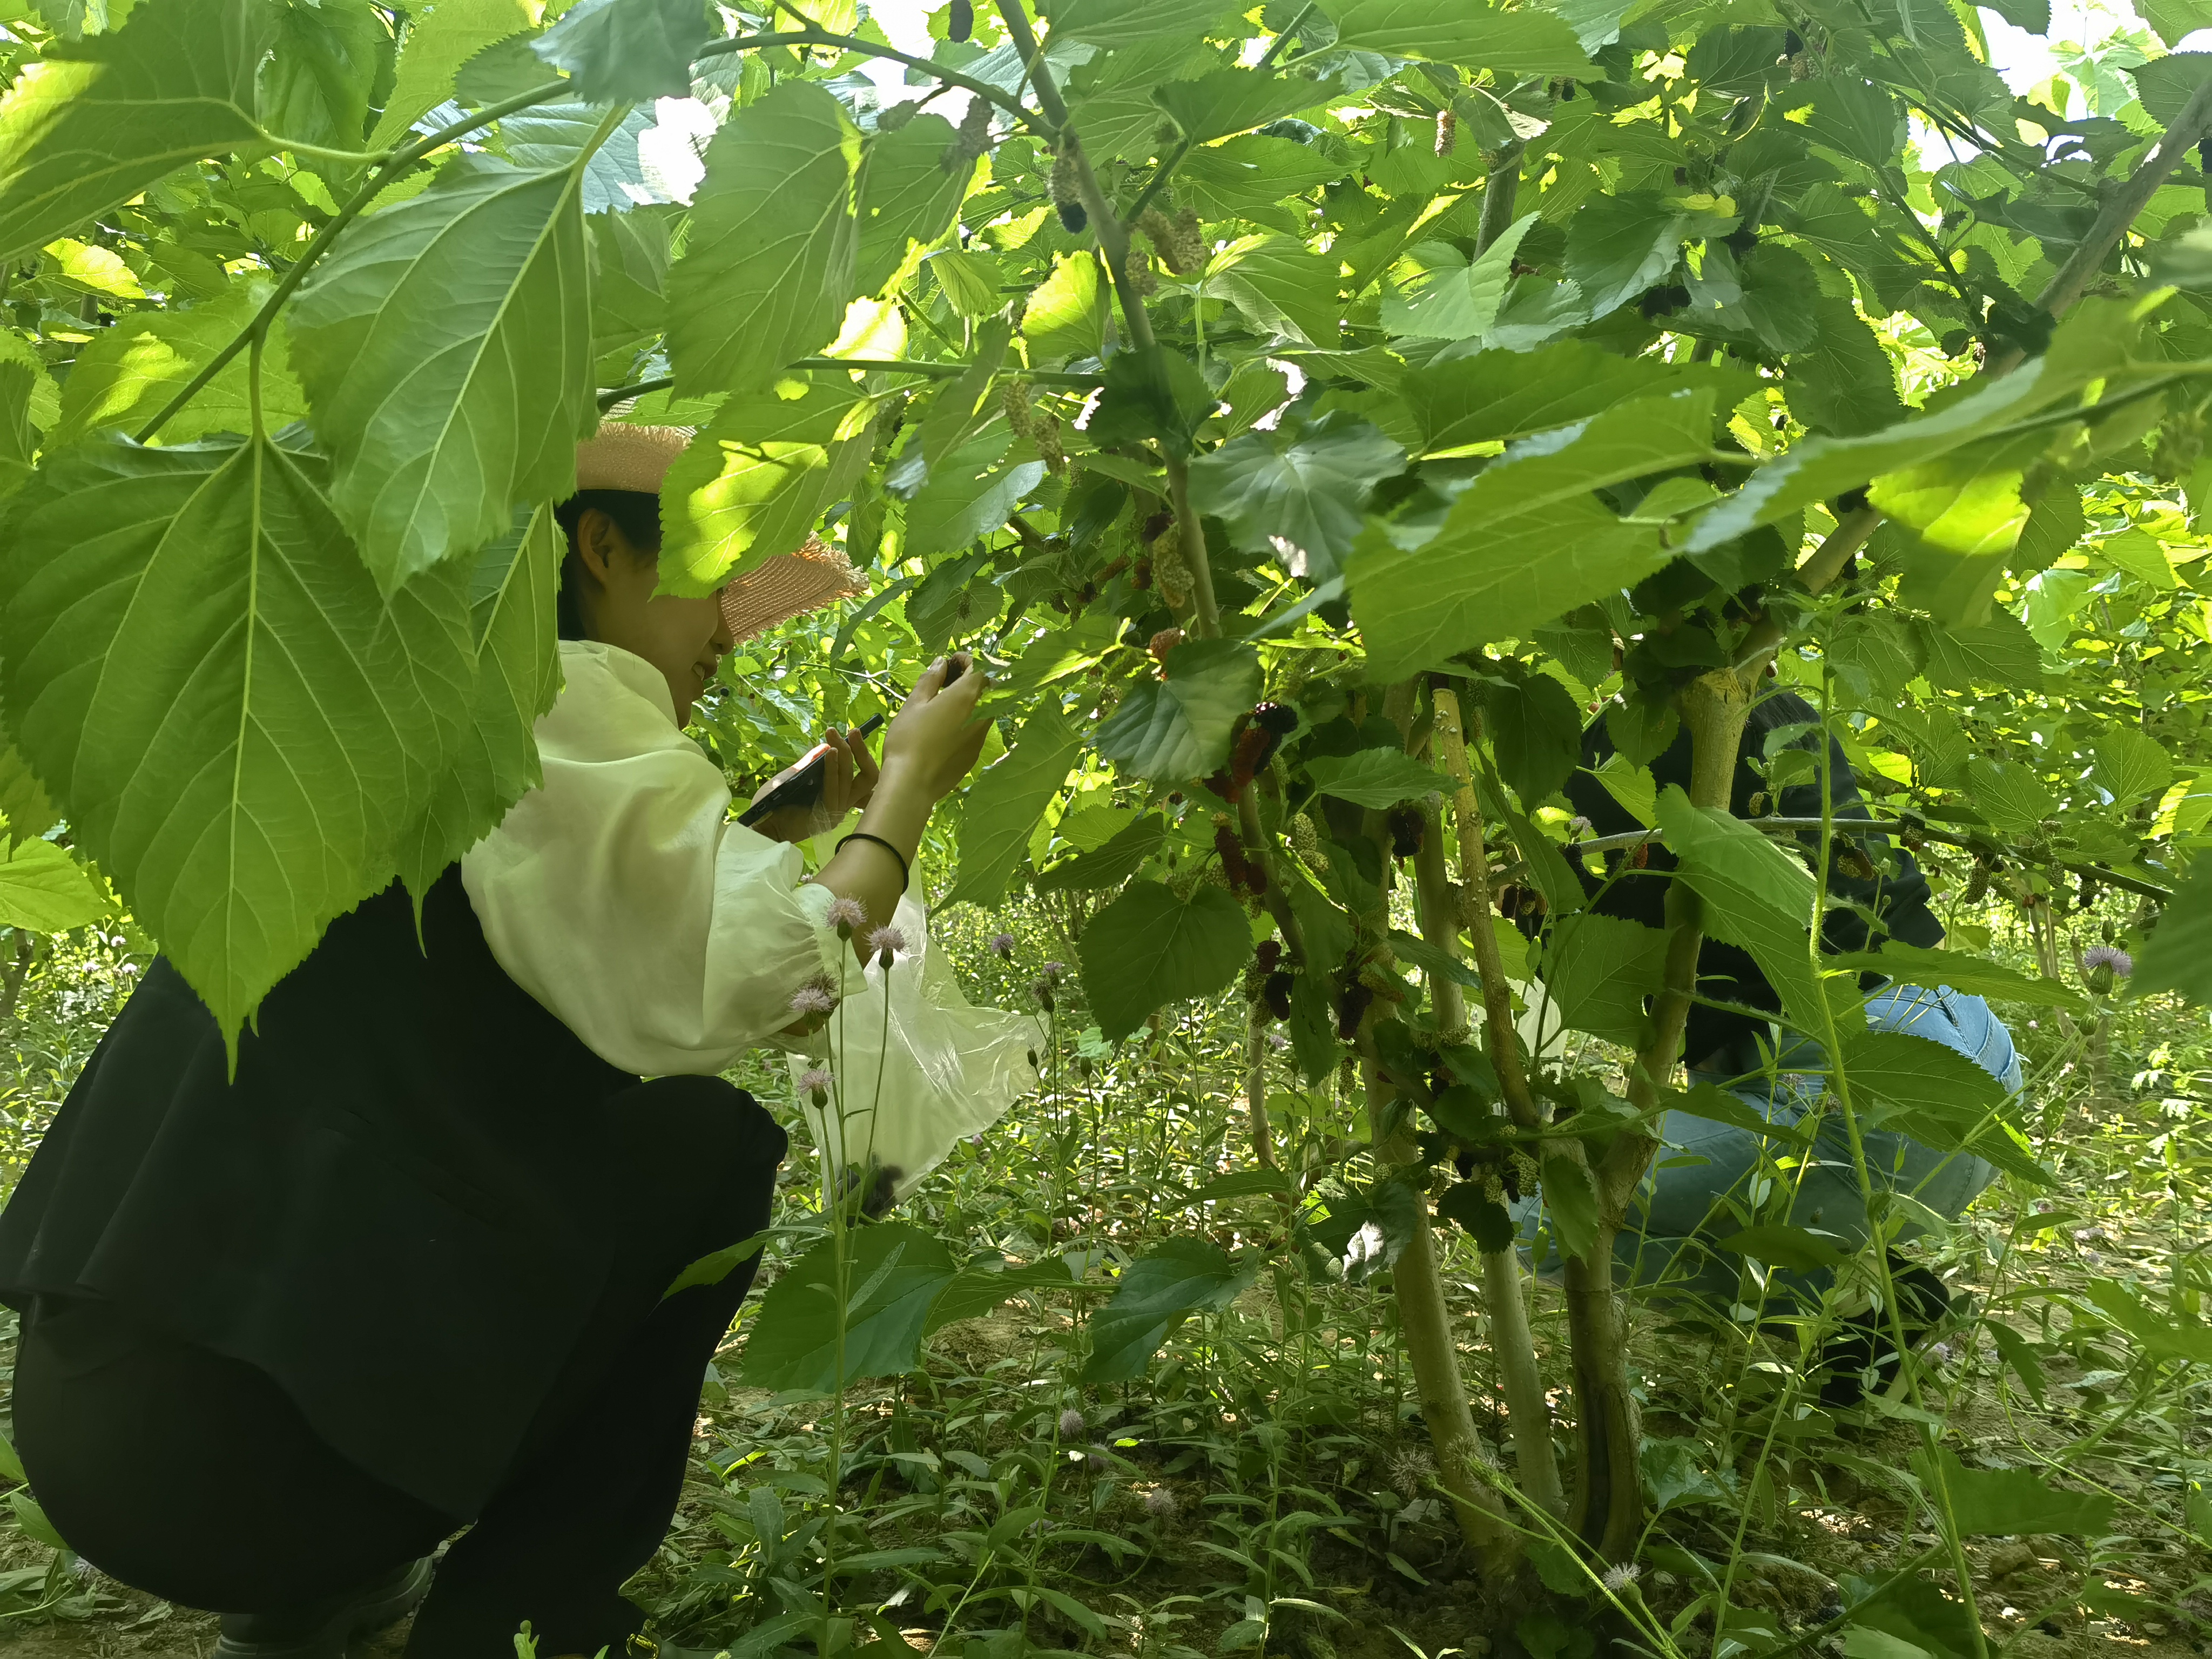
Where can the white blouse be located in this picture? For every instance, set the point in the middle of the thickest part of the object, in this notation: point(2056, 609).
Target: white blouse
point(623, 896)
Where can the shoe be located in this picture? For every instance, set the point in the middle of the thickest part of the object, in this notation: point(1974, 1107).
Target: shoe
point(321, 1630)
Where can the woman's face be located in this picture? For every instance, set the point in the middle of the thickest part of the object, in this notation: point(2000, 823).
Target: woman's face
point(684, 639)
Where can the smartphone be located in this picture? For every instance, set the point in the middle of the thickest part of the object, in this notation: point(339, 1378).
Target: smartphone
point(799, 784)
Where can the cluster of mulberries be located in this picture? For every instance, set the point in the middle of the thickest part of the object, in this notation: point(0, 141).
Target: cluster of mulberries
point(1274, 979)
point(1042, 430)
point(1408, 828)
point(1137, 266)
point(1252, 744)
point(973, 139)
point(1181, 240)
point(1170, 571)
point(1978, 879)
point(1247, 876)
point(1307, 841)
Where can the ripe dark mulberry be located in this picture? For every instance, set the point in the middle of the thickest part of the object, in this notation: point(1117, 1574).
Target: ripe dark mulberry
point(1406, 823)
point(960, 20)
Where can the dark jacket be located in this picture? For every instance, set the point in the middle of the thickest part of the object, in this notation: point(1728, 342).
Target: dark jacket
point(421, 1199)
point(1900, 898)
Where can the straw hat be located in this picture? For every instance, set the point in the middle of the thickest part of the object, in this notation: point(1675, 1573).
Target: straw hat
point(620, 456)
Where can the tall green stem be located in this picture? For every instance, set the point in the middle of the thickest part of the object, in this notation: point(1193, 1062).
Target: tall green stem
point(1511, 1342)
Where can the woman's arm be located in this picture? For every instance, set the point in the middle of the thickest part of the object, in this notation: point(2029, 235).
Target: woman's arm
point(932, 744)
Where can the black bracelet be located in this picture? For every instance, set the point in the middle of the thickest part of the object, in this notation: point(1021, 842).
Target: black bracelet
point(906, 875)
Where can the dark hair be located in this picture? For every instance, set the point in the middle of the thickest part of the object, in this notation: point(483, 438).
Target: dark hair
point(635, 512)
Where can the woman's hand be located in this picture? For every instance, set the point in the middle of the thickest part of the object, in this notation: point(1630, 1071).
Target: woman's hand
point(934, 739)
point(848, 780)
point(932, 744)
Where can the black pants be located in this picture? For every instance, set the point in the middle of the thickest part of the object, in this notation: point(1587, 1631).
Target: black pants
point(193, 1477)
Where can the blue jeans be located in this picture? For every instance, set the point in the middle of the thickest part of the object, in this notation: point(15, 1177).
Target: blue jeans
point(1702, 1162)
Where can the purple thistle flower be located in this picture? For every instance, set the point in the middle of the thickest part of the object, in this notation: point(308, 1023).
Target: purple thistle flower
point(1002, 946)
point(814, 1083)
point(1621, 1575)
point(845, 914)
point(811, 999)
point(1159, 1503)
point(886, 942)
point(1052, 971)
point(2108, 956)
point(1072, 1424)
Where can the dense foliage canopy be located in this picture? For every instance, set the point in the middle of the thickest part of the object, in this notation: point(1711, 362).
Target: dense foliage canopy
point(1313, 415)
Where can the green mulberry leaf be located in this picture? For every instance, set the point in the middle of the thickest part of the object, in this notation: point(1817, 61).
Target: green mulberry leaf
point(1523, 42)
point(1453, 298)
point(894, 1276)
point(1524, 544)
point(754, 481)
point(1755, 896)
point(1600, 969)
point(907, 197)
point(1372, 777)
point(92, 125)
point(43, 890)
point(516, 674)
point(1121, 23)
point(627, 52)
point(1151, 394)
point(1178, 728)
point(1619, 246)
point(768, 268)
point(446, 347)
point(441, 38)
point(1108, 866)
point(1299, 491)
point(1491, 397)
point(1155, 1294)
point(316, 86)
point(130, 370)
point(1149, 948)
point(1003, 806)
point(247, 780)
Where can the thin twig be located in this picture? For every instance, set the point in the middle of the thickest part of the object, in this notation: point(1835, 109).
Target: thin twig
point(1048, 127)
point(622, 394)
point(1783, 826)
point(400, 160)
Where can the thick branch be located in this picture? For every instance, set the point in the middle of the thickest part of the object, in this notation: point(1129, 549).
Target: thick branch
point(1528, 1415)
point(1192, 534)
point(2119, 211)
point(1474, 874)
point(1260, 848)
point(1498, 196)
